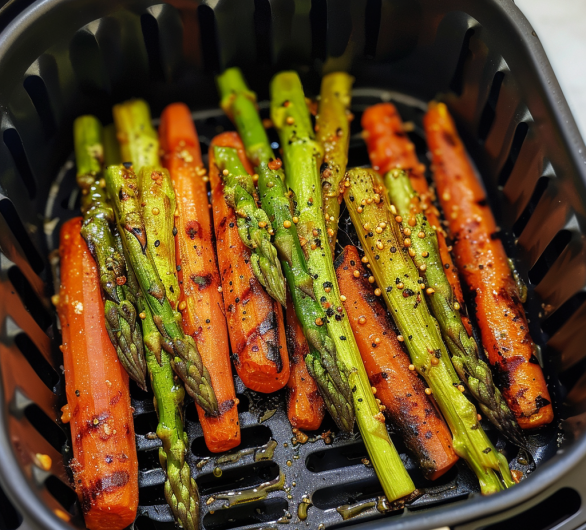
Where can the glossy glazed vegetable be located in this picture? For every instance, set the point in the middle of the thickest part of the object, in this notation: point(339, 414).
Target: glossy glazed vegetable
point(485, 268)
point(473, 371)
point(323, 363)
point(305, 406)
point(398, 280)
point(301, 152)
point(255, 320)
point(104, 465)
point(389, 147)
point(399, 389)
point(332, 131)
point(200, 302)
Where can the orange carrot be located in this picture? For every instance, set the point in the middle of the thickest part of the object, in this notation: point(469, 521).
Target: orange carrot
point(104, 465)
point(255, 320)
point(305, 406)
point(483, 263)
point(389, 148)
point(200, 303)
point(399, 389)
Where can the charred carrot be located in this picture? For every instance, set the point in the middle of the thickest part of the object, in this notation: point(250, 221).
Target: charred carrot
point(485, 268)
point(305, 406)
point(200, 302)
point(105, 465)
point(398, 388)
point(389, 147)
point(255, 320)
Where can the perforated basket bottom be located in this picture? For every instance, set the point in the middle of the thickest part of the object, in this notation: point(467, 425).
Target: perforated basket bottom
point(329, 474)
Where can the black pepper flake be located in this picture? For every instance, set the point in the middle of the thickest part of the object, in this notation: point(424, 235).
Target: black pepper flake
point(323, 299)
point(178, 267)
point(174, 231)
point(352, 262)
point(231, 225)
point(157, 243)
point(407, 293)
point(389, 288)
point(237, 300)
point(77, 393)
point(377, 257)
point(487, 450)
point(447, 265)
point(354, 388)
point(342, 337)
point(328, 285)
point(481, 266)
point(351, 198)
point(393, 249)
point(360, 400)
point(207, 320)
point(330, 312)
point(338, 318)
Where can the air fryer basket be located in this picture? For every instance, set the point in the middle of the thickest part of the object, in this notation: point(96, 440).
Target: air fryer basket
point(62, 58)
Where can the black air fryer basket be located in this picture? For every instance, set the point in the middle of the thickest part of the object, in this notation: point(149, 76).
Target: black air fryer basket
point(63, 58)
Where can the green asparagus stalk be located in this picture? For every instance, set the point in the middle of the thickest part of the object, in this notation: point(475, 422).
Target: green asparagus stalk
point(180, 489)
point(465, 358)
point(333, 133)
point(120, 313)
point(187, 363)
point(112, 154)
point(322, 363)
point(386, 245)
point(140, 146)
point(291, 118)
point(253, 222)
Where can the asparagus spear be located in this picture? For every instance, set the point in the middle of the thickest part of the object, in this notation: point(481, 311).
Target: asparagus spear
point(386, 245)
point(322, 363)
point(425, 253)
point(122, 189)
point(120, 313)
point(291, 117)
point(180, 489)
point(333, 133)
point(253, 222)
point(140, 146)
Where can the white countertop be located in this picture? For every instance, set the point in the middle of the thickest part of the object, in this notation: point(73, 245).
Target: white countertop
point(561, 27)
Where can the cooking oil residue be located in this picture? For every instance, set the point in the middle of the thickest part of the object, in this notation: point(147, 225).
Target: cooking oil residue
point(217, 472)
point(258, 493)
point(234, 457)
point(267, 415)
point(265, 452)
point(285, 519)
point(201, 463)
point(304, 505)
point(352, 510)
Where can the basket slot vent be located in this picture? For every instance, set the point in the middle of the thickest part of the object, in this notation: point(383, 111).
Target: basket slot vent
point(45, 426)
point(457, 82)
point(348, 493)
point(37, 91)
point(63, 493)
point(550, 254)
point(29, 298)
point(489, 111)
point(371, 27)
point(37, 361)
point(318, 16)
point(145, 423)
point(523, 219)
point(546, 514)
point(565, 315)
point(237, 478)
point(336, 458)
point(151, 37)
point(256, 513)
point(262, 31)
point(516, 145)
point(250, 437)
point(8, 212)
point(14, 144)
point(209, 39)
point(148, 460)
point(10, 519)
point(87, 60)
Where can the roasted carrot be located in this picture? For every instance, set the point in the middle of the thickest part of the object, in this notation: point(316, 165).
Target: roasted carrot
point(485, 268)
point(200, 302)
point(389, 147)
point(255, 320)
point(305, 406)
point(104, 465)
point(398, 388)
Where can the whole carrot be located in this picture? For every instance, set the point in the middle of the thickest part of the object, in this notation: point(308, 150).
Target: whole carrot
point(105, 465)
point(305, 406)
point(255, 320)
point(389, 148)
point(484, 265)
point(200, 302)
point(397, 387)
